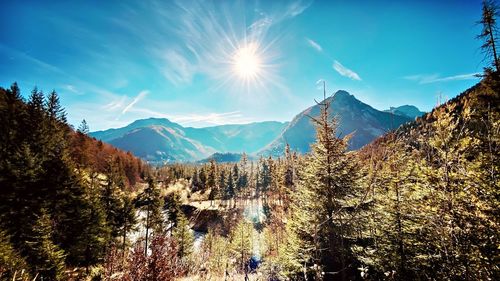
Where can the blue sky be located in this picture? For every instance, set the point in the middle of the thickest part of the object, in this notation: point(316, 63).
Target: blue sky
point(116, 61)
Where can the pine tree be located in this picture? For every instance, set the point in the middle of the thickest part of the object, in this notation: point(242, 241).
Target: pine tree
point(321, 219)
point(241, 243)
point(212, 181)
point(489, 31)
point(47, 259)
point(264, 178)
point(242, 184)
point(39, 173)
point(243, 174)
point(219, 191)
point(126, 220)
point(203, 179)
point(173, 205)
point(11, 261)
point(457, 236)
point(397, 192)
point(229, 189)
point(13, 119)
point(218, 250)
point(236, 177)
point(54, 108)
point(221, 183)
point(84, 233)
point(212, 175)
point(290, 159)
point(195, 182)
point(152, 203)
point(35, 129)
point(110, 195)
point(83, 128)
point(287, 178)
point(184, 237)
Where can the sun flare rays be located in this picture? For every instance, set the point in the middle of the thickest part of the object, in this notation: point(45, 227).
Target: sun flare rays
point(238, 54)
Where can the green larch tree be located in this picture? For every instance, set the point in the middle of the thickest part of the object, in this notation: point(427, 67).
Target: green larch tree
point(241, 243)
point(184, 236)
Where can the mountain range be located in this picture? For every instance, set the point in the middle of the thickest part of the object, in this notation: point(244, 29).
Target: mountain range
point(159, 140)
point(353, 116)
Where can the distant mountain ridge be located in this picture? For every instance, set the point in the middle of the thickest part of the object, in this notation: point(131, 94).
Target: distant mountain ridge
point(227, 157)
point(158, 140)
point(406, 110)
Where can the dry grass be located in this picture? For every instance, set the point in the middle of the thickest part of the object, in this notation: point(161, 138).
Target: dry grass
point(181, 187)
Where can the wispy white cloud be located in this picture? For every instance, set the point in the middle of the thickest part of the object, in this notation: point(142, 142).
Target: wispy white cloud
point(314, 45)
point(297, 7)
point(293, 9)
point(73, 89)
point(435, 78)
point(197, 120)
point(234, 117)
point(346, 72)
point(177, 69)
point(139, 97)
point(115, 104)
point(261, 25)
point(319, 84)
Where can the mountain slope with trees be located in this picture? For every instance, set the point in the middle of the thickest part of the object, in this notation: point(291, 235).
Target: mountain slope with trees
point(365, 122)
point(435, 191)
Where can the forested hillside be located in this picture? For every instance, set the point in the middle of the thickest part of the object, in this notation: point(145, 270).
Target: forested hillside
point(434, 190)
point(56, 187)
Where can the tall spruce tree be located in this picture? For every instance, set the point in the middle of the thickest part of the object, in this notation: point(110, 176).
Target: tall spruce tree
point(152, 204)
point(229, 188)
point(83, 128)
point(321, 218)
point(47, 259)
point(126, 220)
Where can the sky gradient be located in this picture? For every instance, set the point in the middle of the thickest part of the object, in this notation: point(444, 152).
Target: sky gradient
point(113, 62)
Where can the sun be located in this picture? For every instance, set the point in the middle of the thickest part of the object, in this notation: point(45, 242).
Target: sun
point(246, 62)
